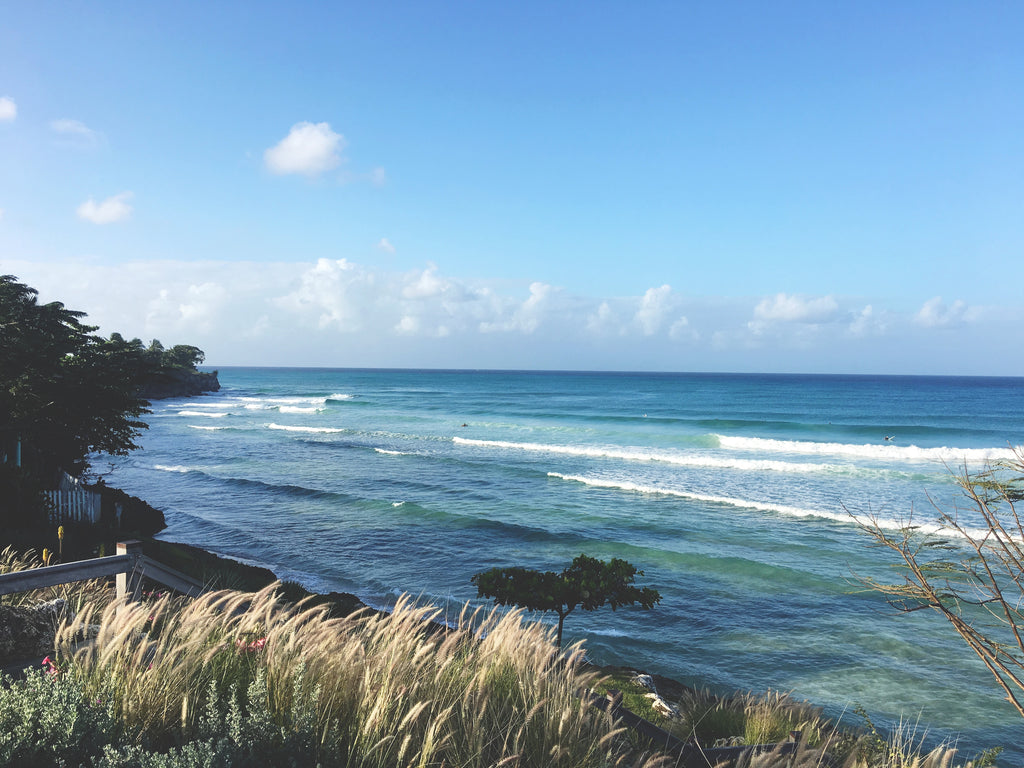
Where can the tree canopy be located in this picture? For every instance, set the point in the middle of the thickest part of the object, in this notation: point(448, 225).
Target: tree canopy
point(588, 583)
point(64, 392)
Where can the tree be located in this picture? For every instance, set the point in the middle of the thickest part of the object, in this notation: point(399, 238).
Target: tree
point(588, 583)
point(971, 572)
point(183, 356)
point(64, 392)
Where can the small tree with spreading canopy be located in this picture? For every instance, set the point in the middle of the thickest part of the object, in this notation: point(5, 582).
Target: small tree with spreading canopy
point(971, 570)
point(588, 583)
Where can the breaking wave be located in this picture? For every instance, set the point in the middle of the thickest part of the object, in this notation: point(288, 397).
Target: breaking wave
point(308, 430)
point(640, 454)
point(885, 451)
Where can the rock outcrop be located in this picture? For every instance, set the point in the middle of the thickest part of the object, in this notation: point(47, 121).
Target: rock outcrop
point(28, 632)
point(179, 382)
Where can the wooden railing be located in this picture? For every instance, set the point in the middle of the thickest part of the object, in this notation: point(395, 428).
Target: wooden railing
point(129, 566)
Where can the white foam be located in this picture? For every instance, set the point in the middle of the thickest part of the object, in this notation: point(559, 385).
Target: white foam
point(625, 485)
point(640, 454)
point(268, 403)
point(387, 452)
point(868, 450)
point(298, 409)
point(763, 506)
point(397, 503)
point(311, 430)
point(204, 414)
point(206, 429)
point(172, 468)
point(339, 396)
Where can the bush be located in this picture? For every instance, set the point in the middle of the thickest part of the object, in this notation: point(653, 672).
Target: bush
point(48, 719)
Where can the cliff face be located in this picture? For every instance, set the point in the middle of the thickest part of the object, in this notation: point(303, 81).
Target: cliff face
point(179, 383)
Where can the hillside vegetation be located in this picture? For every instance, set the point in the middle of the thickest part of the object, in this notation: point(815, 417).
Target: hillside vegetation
point(247, 679)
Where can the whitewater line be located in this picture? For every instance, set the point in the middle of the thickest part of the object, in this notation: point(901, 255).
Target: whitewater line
point(763, 506)
point(636, 454)
point(867, 450)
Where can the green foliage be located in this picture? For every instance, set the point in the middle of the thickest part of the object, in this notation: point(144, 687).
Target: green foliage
point(239, 731)
point(183, 356)
point(66, 393)
point(48, 720)
point(63, 391)
point(588, 583)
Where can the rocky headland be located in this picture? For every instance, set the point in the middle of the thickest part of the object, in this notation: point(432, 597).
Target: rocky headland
point(179, 382)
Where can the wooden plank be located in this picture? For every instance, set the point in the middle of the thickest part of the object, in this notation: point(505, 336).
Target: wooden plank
point(52, 575)
point(176, 580)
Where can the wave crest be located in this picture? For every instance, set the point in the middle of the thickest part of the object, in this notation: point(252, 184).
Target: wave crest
point(867, 450)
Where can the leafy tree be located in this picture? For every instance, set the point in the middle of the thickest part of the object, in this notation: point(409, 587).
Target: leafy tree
point(588, 583)
point(183, 356)
point(972, 572)
point(64, 392)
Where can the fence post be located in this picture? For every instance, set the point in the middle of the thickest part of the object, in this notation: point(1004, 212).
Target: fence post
point(130, 582)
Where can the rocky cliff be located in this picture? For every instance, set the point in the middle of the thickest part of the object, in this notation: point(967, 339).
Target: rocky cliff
point(179, 382)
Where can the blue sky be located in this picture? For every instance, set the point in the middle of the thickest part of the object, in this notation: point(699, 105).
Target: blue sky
point(804, 187)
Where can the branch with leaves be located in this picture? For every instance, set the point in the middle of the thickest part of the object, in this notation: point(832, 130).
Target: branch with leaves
point(970, 570)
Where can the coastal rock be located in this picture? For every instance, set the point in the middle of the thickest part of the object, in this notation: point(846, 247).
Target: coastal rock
point(646, 681)
point(661, 706)
point(179, 383)
point(27, 632)
point(125, 512)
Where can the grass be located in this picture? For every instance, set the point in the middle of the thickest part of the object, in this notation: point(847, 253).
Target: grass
point(250, 678)
point(370, 689)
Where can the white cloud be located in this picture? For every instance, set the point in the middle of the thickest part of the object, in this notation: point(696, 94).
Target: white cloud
point(8, 109)
point(603, 320)
point(309, 149)
point(934, 313)
point(115, 208)
point(527, 317)
point(194, 308)
point(385, 245)
point(75, 132)
point(796, 309)
point(426, 285)
point(681, 330)
point(338, 312)
point(868, 322)
point(654, 307)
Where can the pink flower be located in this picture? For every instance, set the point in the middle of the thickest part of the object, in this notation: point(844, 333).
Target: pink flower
point(51, 667)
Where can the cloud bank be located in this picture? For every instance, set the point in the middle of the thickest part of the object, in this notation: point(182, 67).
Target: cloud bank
point(8, 109)
point(337, 312)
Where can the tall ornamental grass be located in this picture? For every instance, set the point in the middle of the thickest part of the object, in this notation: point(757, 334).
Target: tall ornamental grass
point(254, 681)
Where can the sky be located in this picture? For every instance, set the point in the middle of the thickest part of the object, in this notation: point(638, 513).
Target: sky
point(798, 187)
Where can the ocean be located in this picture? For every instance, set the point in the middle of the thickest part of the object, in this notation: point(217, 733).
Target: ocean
point(732, 492)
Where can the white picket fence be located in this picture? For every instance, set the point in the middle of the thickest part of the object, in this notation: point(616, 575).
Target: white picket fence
point(73, 502)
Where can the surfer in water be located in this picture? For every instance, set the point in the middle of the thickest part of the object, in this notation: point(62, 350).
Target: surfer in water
point(890, 438)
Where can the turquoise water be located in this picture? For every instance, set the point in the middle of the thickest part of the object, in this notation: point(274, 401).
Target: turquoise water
point(732, 492)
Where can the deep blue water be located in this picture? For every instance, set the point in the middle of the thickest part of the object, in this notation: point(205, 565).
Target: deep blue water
point(732, 492)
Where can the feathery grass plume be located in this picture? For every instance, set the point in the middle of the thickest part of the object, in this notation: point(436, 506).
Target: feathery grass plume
point(369, 689)
point(75, 594)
